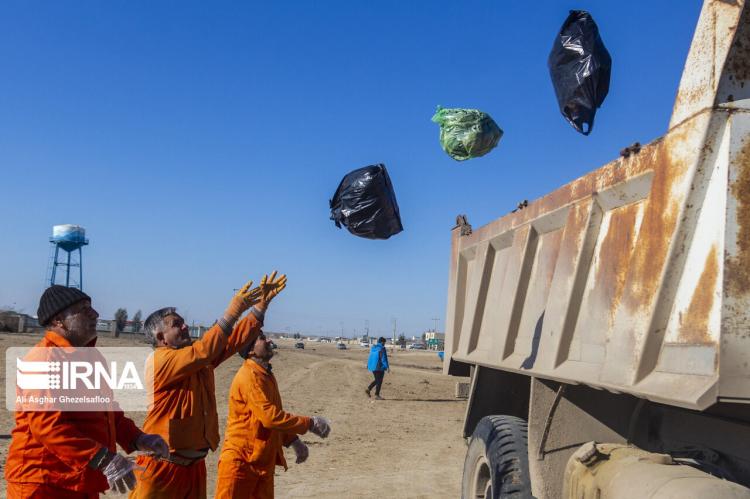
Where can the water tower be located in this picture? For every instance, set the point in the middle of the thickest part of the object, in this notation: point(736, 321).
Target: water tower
point(70, 239)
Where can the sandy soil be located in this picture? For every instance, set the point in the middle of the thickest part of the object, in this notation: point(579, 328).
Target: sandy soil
point(408, 445)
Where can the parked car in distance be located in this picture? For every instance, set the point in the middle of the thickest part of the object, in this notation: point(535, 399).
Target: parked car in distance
point(416, 346)
point(299, 344)
point(364, 344)
point(341, 346)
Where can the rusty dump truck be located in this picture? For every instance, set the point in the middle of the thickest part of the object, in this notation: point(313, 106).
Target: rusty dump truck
point(606, 326)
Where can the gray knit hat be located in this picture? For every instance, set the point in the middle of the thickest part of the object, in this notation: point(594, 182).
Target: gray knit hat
point(56, 299)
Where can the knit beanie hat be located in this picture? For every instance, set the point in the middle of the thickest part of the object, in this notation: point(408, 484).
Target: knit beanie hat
point(56, 299)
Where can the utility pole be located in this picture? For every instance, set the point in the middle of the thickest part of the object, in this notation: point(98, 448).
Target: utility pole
point(436, 323)
point(394, 330)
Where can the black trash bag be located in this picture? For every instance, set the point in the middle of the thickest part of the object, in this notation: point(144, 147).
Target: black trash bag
point(580, 67)
point(366, 204)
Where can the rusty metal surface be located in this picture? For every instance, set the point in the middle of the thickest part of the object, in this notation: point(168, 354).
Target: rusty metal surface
point(712, 75)
point(694, 327)
point(635, 277)
point(735, 316)
point(739, 265)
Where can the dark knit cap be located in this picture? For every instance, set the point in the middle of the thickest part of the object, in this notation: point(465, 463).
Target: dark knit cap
point(56, 299)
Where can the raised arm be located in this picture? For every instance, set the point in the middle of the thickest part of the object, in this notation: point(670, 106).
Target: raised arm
point(172, 365)
point(243, 333)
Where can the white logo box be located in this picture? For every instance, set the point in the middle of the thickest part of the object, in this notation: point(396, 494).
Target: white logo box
point(78, 379)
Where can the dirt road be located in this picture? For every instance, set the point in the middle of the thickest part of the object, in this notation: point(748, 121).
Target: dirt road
point(408, 445)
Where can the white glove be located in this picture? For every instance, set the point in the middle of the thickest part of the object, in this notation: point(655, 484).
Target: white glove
point(300, 450)
point(119, 473)
point(153, 444)
point(320, 426)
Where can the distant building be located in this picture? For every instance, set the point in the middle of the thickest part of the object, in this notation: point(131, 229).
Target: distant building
point(109, 325)
point(104, 325)
point(16, 322)
point(198, 331)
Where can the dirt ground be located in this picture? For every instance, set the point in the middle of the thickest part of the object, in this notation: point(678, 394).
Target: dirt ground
point(408, 445)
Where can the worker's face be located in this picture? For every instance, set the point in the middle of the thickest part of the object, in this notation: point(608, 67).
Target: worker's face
point(262, 349)
point(77, 323)
point(175, 333)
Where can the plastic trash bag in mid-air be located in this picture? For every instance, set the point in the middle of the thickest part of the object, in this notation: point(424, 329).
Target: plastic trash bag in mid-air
point(366, 204)
point(466, 133)
point(580, 67)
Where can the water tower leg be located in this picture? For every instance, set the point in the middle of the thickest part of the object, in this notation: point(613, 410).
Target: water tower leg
point(54, 267)
point(67, 272)
point(80, 269)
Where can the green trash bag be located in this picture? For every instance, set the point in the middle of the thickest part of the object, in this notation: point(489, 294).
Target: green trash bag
point(466, 133)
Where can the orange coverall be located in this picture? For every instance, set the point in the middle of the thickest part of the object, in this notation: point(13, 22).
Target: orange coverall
point(184, 410)
point(50, 451)
point(257, 427)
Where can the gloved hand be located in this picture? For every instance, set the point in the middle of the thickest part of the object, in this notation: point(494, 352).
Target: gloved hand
point(320, 426)
point(270, 287)
point(153, 444)
point(118, 471)
point(300, 450)
point(245, 298)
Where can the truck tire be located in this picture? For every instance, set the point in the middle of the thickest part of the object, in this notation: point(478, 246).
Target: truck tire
point(497, 460)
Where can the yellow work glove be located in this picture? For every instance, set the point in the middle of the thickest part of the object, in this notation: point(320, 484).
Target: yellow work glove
point(270, 287)
point(245, 298)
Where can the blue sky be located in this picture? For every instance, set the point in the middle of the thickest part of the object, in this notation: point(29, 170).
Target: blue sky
point(199, 142)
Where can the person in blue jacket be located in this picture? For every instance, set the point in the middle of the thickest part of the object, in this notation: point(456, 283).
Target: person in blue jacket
point(378, 364)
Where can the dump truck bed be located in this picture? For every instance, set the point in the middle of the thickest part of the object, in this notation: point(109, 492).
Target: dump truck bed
point(634, 278)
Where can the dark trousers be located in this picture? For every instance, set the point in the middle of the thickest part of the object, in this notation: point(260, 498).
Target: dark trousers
point(378, 381)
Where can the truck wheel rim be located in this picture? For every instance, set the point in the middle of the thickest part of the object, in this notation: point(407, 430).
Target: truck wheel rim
point(482, 483)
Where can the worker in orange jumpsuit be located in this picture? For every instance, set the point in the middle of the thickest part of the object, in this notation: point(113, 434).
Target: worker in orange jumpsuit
point(184, 401)
point(66, 454)
point(258, 427)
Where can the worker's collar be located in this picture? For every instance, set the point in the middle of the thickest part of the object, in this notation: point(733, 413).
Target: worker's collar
point(259, 365)
point(61, 341)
